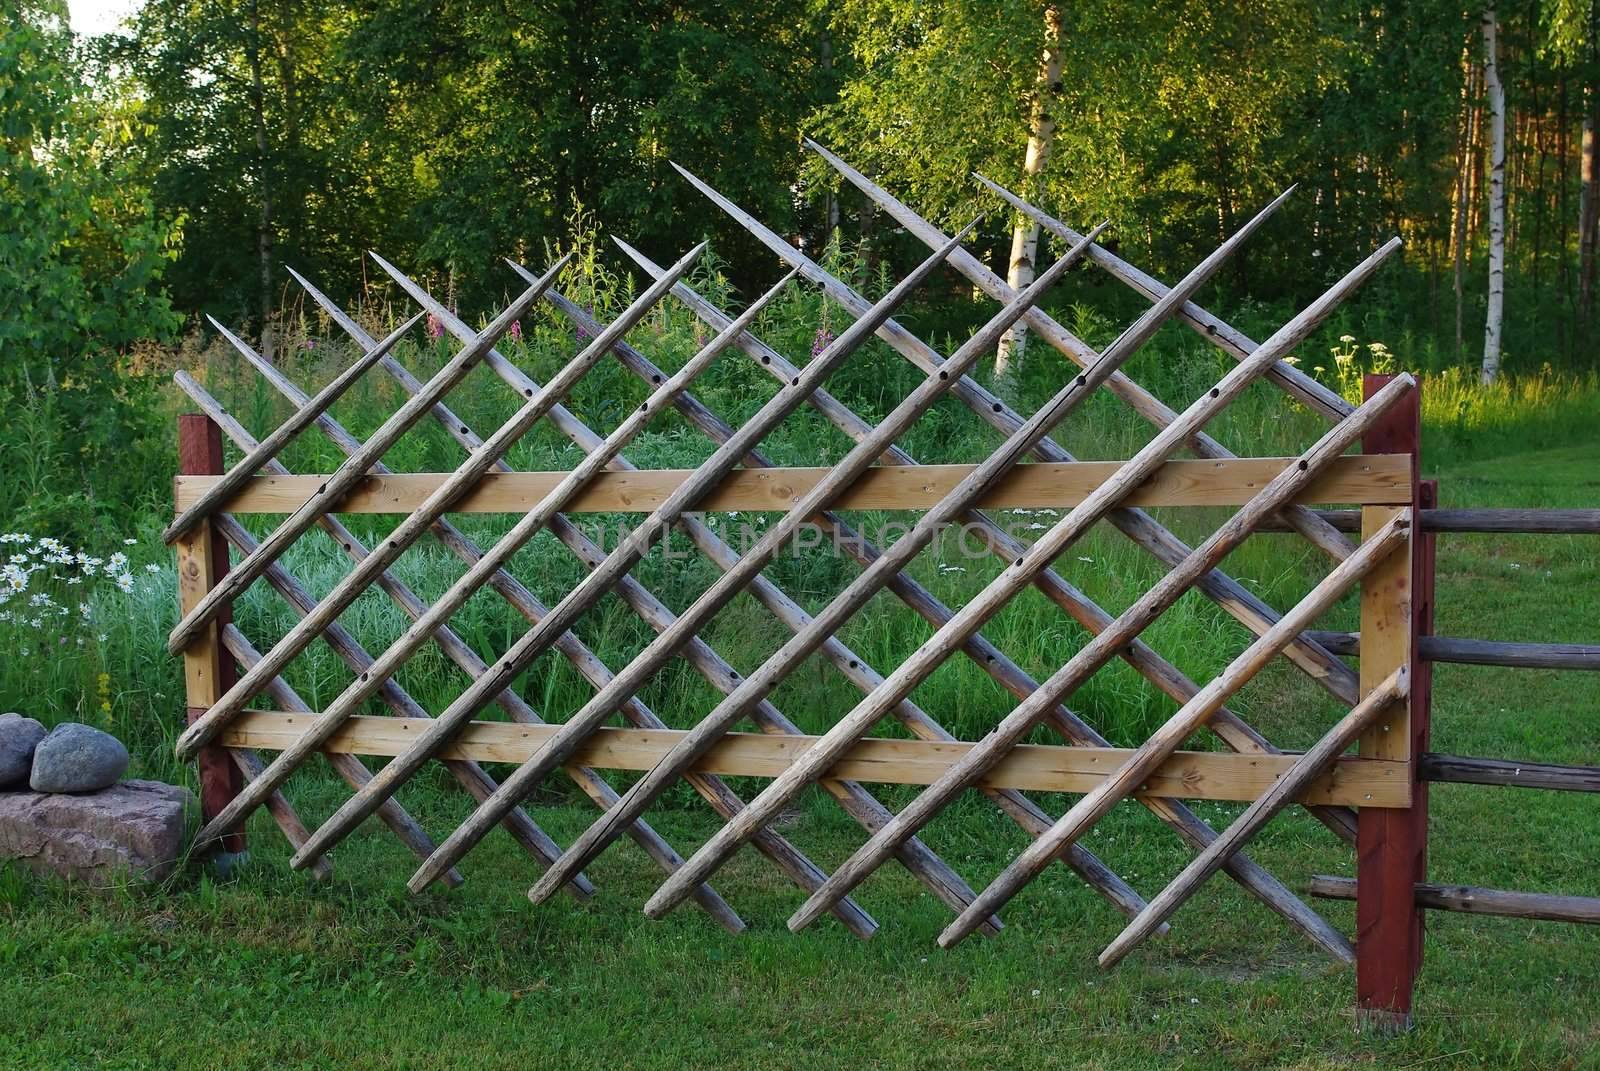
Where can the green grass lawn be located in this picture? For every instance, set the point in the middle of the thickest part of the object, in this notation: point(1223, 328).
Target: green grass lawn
point(273, 970)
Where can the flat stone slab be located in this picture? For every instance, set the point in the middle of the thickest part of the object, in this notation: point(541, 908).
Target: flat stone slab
point(134, 830)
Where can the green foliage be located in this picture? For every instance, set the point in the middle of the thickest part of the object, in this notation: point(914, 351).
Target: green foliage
point(82, 249)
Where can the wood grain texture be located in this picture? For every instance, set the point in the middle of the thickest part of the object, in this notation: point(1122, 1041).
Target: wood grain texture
point(1377, 479)
point(1473, 900)
point(1206, 775)
point(1506, 773)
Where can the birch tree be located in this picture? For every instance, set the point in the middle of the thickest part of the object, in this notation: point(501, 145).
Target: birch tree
point(1497, 198)
point(1025, 232)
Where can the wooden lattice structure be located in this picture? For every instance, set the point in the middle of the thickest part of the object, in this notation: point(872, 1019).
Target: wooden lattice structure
point(1371, 799)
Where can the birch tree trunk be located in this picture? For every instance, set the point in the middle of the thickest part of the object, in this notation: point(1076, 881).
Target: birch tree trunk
point(1588, 204)
point(258, 103)
point(1497, 199)
point(1025, 233)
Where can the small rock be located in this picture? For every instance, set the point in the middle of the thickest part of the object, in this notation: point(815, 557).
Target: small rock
point(18, 737)
point(77, 758)
point(134, 830)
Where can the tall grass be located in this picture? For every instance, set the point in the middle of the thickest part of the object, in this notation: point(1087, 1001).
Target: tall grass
point(121, 677)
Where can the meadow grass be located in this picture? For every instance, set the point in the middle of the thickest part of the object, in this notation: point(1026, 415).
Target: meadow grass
point(270, 969)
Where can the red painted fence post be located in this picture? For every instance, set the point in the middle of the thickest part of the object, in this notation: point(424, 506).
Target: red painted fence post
point(1392, 844)
point(208, 669)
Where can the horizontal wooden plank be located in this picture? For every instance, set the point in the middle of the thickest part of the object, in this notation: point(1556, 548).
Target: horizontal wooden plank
point(1188, 774)
point(1472, 900)
point(1365, 479)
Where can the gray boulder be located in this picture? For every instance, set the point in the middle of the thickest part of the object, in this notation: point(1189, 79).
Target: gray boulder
point(77, 758)
point(131, 831)
point(18, 738)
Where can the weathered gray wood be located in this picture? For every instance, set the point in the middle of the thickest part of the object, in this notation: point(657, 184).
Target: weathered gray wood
point(904, 550)
point(1472, 900)
point(1097, 803)
point(1306, 769)
point(807, 640)
point(938, 876)
point(1469, 652)
point(283, 813)
point(857, 670)
point(1498, 521)
point(722, 800)
point(1467, 770)
point(981, 607)
point(273, 444)
point(1338, 679)
point(1167, 678)
point(1094, 655)
point(355, 656)
point(983, 654)
point(350, 769)
point(1214, 329)
point(1540, 521)
point(421, 520)
point(604, 577)
point(473, 778)
point(339, 483)
point(1326, 538)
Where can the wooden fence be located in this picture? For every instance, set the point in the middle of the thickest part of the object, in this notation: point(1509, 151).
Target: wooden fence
point(1374, 799)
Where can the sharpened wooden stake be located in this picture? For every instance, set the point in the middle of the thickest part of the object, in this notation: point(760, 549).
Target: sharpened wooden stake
point(273, 444)
point(1306, 769)
point(1139, 526)
point(1094, 806)
point(348, 474)
point(788, 859)
point(605, 576)
point(823, 625)
point(414, 526)
point(1233, 598)
point(948, 639)
point(1099, 650)
point(1208, 326)
point(1321, 535)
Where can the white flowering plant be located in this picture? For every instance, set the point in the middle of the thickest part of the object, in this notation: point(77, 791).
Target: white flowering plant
point(1352, 360)
point(60, 607)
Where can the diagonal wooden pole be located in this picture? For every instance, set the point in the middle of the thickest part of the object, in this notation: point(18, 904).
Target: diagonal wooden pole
point(1207, 325)
point(857, 801)
point(350, 769)
point(273, 444)
point(978, 649)
point(601, 580)
point(1099, 650)
point(472, 777)
point(1306, 769)
point(1318, 531)
point(1324, 669)
point(832, 617)
point(647, 789)
point(1166, 677)
point(1098, 802)
point(418, 523)
point(607, 573)
point(964, 624)
point(341, 481)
